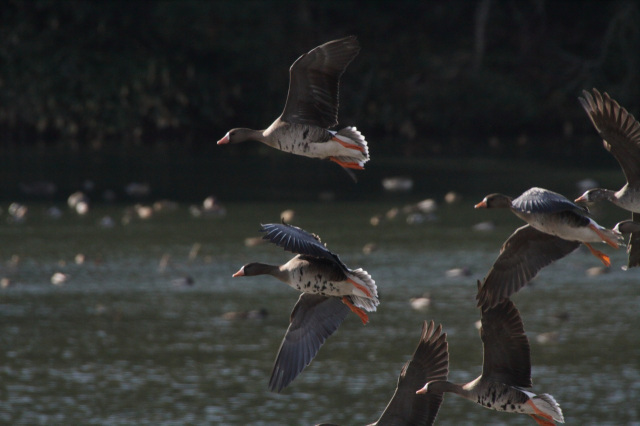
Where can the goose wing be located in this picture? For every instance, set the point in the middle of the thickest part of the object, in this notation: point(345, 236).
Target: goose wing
point(619, 130)
point(314, 80)
point(521, 257)
point(313, 319)
point(507, 354)
point(297, 240)
point(430, 362)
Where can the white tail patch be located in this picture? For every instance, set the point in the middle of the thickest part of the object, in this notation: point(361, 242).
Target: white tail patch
point(360, 299)
point(548, 405)
point(611, 236)
point(352, 136)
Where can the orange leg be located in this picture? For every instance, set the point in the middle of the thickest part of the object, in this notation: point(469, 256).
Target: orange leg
point(600, 255)
point(603, 237)
point(348, 145)
point(349, 165)
point(359, 312)
point(360, 287)
point(542, 422)
point(548, 420)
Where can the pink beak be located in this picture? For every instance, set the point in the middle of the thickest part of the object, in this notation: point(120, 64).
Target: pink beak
point(224, 140)
point(240, 273)
point(423, 390)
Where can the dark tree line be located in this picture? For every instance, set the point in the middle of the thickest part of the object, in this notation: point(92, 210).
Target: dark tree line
point(491, 77)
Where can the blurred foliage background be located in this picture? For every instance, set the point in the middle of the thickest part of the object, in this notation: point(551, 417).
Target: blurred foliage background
point(123, 81)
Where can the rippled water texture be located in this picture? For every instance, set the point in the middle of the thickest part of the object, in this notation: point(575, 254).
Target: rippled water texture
point(125, 341)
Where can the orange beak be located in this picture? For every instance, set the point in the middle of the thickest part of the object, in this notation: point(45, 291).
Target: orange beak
point(481, 205)
point(224, 140)
point(240, 273)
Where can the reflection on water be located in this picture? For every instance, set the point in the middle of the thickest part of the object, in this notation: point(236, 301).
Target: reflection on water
point(122, 342)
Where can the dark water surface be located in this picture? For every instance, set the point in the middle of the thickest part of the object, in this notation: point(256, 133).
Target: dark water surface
point(121, 342)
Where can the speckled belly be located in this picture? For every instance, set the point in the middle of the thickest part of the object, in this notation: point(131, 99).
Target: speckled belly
point(303, 140)
point(504, 398)
point(308, 282)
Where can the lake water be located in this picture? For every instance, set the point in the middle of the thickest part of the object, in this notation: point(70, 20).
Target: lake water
point(121, 342)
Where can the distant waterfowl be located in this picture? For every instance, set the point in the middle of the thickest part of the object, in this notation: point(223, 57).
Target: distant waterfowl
point(329, 290)
point(369, 248)
point(184, 281)
point(430, 362)
point(254, 314)
point(620, 132)
point(211, 206)
point(506, 370)
point(18, 212)
point(165, 206)
point(312, 109)
point(548, 338)
point(486, 226)
point(137, 189)
point(452, 197)
point(421, 303)
point(596, 270)
point(552, 213)
point(464, 271)
point(521, 257)
point(54, 212)
point(59, 278)
point(74, 198)
point(397, 184)
point(143, 212)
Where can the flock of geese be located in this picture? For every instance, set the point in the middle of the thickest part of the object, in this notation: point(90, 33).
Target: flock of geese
point(330, 290)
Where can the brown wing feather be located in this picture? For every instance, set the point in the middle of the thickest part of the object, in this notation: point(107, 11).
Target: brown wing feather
point(619, 130)
point(507, 354)
point(430, 362)
point(522, 256)
point(314, 80)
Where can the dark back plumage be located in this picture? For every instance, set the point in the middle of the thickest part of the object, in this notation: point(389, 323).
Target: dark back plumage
point(619, 130)
point(314, 80)
point(521, 257)
point(430, 361)
point(507, 354)
point(539, 200)
point(297, 240)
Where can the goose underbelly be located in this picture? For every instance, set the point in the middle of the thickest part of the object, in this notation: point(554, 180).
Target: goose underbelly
point(629, 203)
point(317, 149)
point(559, 228)
point(505, 398)
point(317, 284)
point(314, 142)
